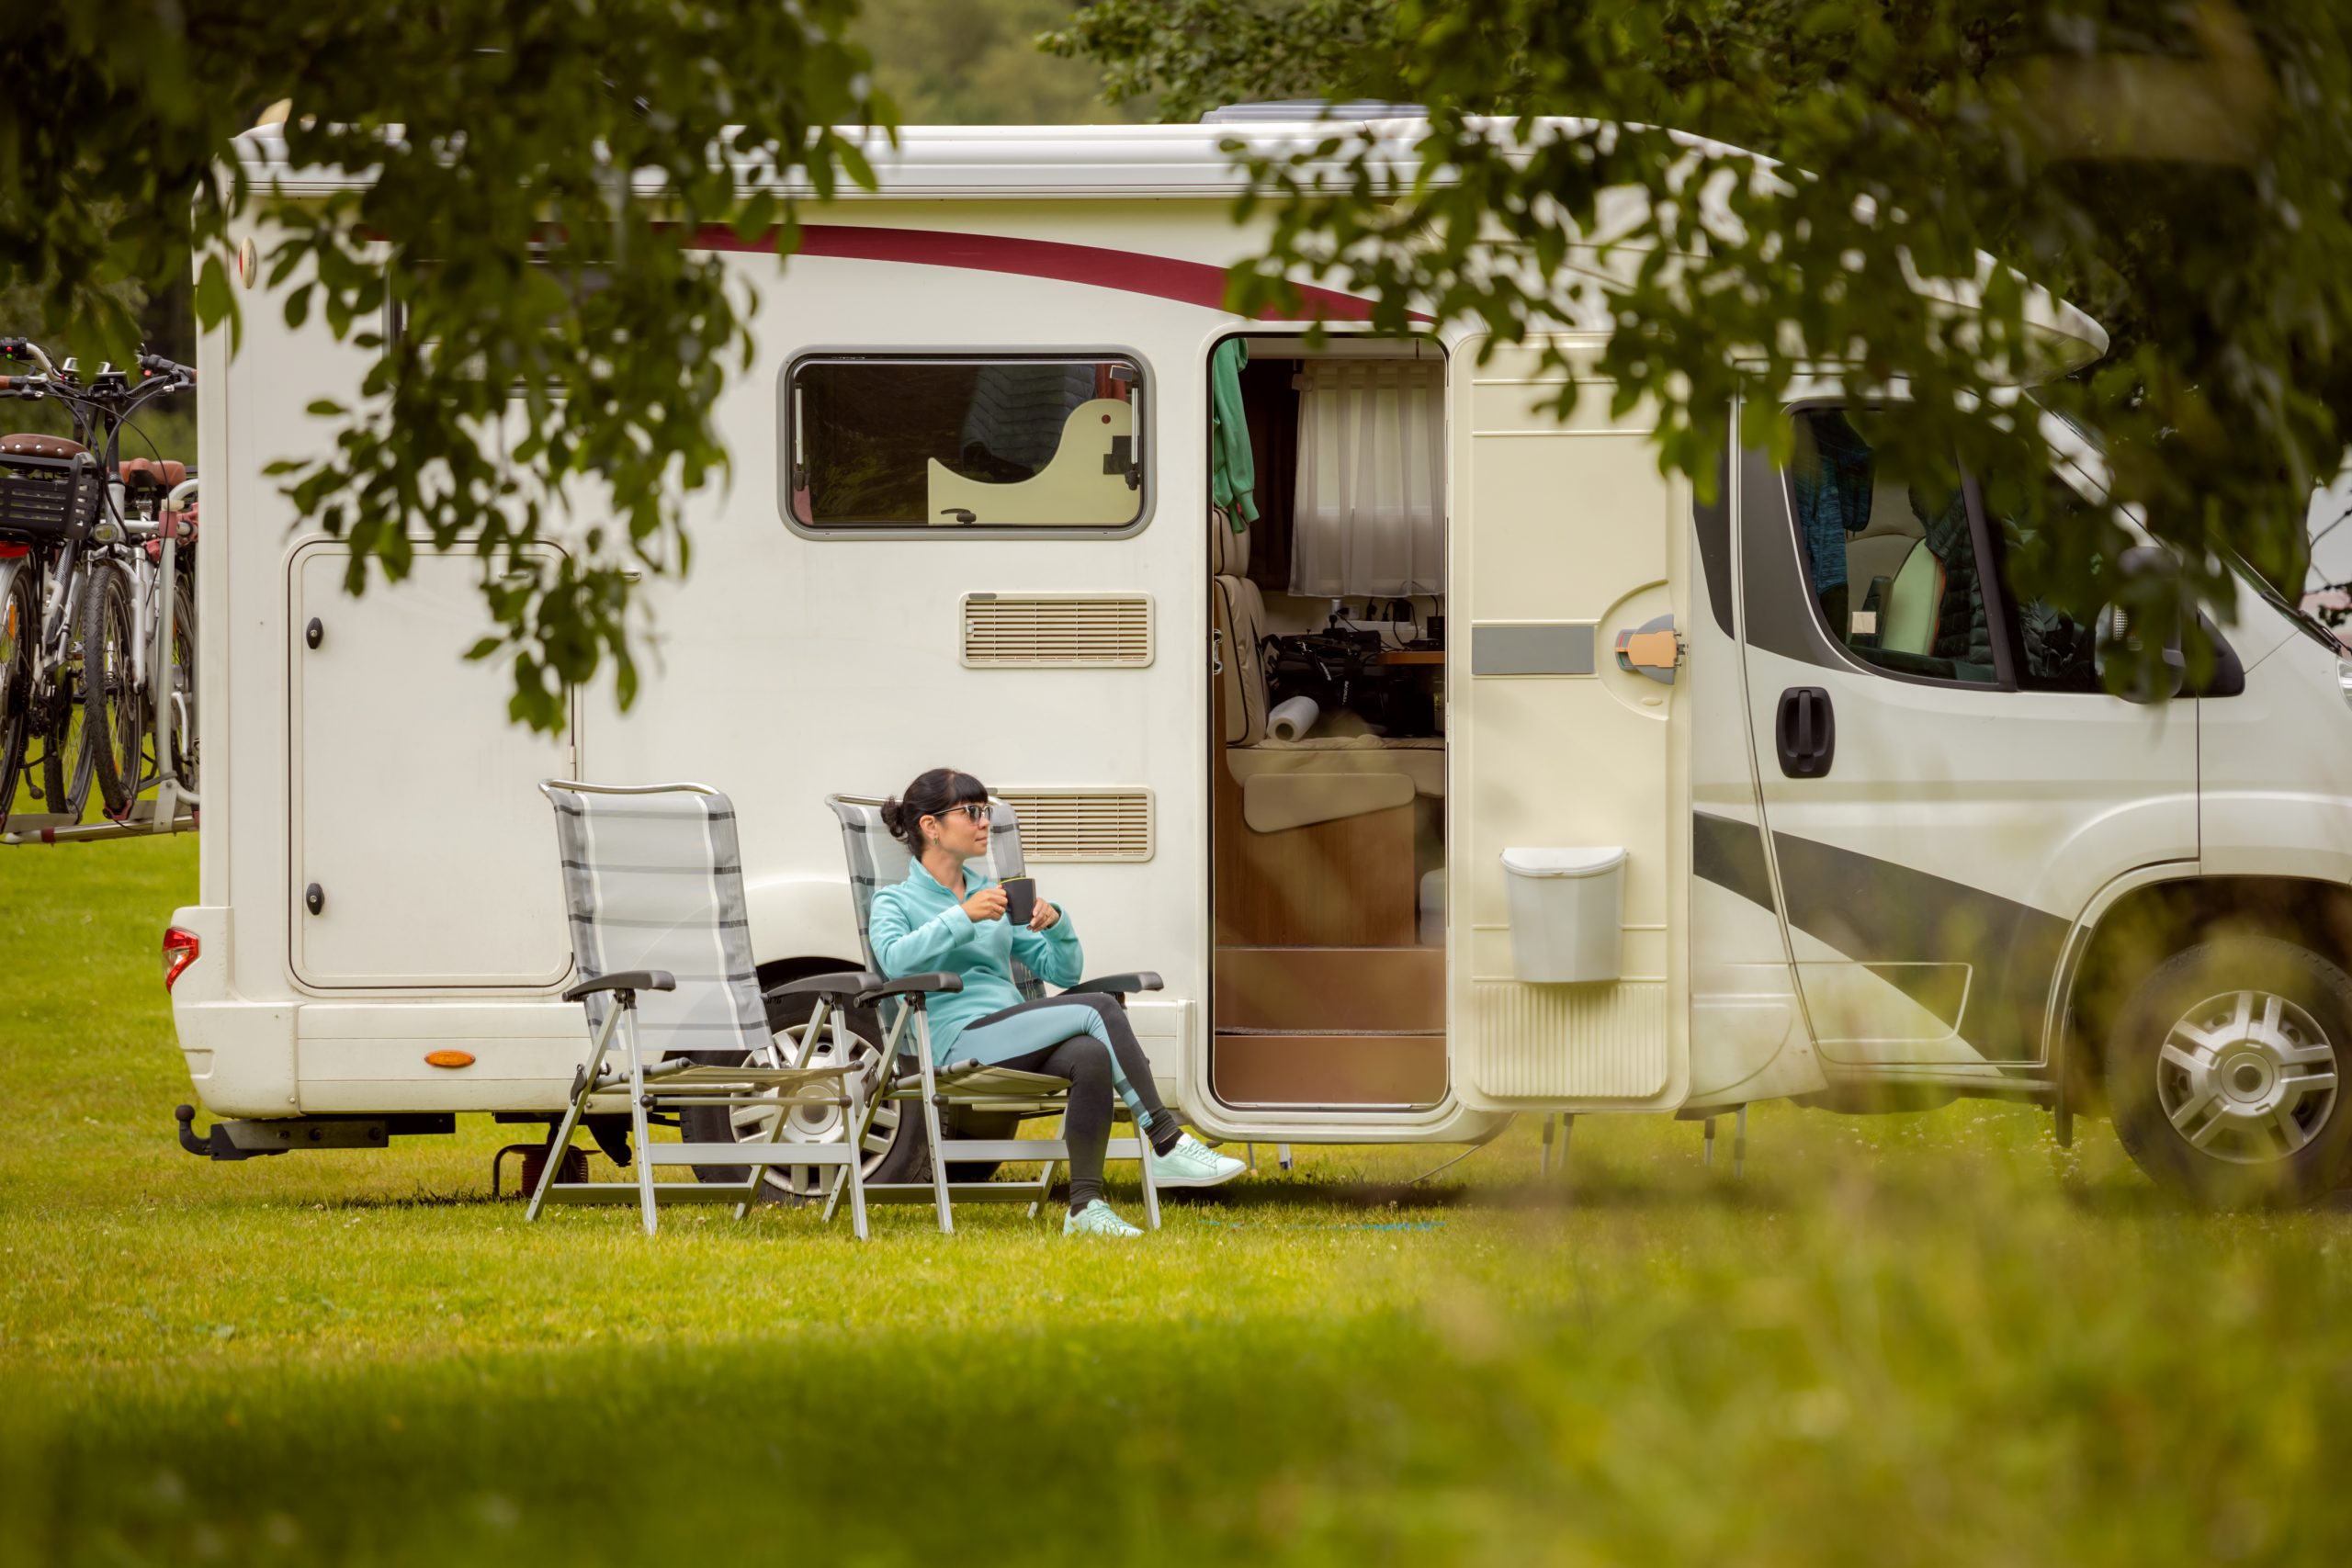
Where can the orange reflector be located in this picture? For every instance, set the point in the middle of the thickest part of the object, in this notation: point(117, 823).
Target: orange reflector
point(449, 1058)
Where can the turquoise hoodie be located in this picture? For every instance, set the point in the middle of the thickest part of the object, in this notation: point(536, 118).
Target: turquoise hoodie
point(918, 927)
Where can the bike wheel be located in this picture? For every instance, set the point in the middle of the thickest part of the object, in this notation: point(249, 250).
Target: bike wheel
point(19, 634)
point(113, 720)
point(179, 687)
point(65, 762)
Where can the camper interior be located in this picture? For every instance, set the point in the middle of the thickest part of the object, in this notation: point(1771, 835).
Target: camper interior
point(1328, 753)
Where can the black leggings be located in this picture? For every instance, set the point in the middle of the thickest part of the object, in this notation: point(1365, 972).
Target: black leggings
point(1083, 1060)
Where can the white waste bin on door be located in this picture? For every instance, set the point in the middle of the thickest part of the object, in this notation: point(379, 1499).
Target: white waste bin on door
point(1566, 906)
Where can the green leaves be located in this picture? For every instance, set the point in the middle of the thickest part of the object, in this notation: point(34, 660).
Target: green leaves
point(2176, 172)
point(545, 354)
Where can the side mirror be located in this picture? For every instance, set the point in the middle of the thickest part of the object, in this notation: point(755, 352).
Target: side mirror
point(2121, 634)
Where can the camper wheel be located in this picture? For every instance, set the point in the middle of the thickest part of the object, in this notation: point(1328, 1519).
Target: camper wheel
point(2223, 1071)
point(894, 1144)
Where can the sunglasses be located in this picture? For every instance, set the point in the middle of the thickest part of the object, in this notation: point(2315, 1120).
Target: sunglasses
point(978, 810)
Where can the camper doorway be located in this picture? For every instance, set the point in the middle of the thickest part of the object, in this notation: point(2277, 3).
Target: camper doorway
point(1327, 751)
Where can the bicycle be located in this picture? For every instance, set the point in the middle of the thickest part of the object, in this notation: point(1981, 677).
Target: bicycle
point(73, 671)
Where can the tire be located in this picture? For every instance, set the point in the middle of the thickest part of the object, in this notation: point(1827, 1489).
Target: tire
point(65, 763)
point(19, 632)
point(114, 722)
point(896, 1149)
point(2223, 1073)
point(179, 685)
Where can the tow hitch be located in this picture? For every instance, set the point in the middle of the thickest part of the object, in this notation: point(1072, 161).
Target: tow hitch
point(250, 1140)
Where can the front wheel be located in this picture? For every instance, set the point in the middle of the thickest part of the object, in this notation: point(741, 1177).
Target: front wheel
point(115, 717)
point(2223, 1073)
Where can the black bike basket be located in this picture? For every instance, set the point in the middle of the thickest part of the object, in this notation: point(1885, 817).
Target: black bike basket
point(47, 498)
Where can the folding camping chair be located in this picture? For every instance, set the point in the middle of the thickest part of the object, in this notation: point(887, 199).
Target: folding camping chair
point(653, 885)
point(876, 859)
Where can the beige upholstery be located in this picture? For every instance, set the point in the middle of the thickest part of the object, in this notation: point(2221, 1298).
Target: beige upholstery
point(1420, 758)
point(1880, 549)
point(1271, 802)
point(1913, 604)
point(1228, 546)
point(1240, 613)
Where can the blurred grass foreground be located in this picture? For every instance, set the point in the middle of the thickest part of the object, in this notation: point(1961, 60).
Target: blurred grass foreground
point(1929, 1338)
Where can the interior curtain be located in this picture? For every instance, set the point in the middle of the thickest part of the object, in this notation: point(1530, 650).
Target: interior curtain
point(1370, 518)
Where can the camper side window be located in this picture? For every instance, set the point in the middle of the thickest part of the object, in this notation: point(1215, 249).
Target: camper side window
point(1890, 557)
point(899, 442)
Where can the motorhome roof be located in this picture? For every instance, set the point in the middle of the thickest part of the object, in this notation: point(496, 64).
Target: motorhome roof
point(1164, 162)
point(1027, 160)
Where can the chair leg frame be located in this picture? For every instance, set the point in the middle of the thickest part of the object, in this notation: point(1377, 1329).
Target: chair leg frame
point(572, 1113)
point(622, 1020)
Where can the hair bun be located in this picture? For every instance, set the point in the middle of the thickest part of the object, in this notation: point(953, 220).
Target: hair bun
point(894, 817)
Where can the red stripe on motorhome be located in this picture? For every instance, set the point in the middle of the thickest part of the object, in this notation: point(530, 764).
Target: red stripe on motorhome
point(1131, 272)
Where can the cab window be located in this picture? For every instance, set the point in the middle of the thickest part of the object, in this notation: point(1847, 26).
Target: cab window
point(1890, 556)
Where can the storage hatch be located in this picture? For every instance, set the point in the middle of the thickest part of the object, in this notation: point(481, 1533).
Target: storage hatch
point(413, 811)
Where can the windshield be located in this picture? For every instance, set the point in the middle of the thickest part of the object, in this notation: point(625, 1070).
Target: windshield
point(2306, 623)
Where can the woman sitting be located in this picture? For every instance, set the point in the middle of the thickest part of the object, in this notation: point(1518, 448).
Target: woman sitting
point(947, 916)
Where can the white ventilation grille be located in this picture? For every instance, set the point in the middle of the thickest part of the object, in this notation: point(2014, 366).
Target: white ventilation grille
point(1083, 824)
point(1057, 631)
point(1571, 1042)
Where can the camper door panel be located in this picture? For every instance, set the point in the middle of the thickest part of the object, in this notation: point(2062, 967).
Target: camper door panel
point(1932, 868)
point(1562, 534)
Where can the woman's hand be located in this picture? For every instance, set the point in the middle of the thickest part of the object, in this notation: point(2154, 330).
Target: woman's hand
point(1045, 916)
point(987, 904)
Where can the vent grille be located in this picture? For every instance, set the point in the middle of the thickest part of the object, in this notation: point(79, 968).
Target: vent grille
point(1083, 824)
point(1048, 631)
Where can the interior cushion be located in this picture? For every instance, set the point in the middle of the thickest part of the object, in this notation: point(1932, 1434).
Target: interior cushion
point(1420, 758)
point(1228, 546)
point(1273, 802)
point(1906, 624)
point(1239, 612)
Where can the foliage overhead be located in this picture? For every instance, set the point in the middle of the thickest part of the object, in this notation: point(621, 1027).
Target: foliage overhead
point(2176, 168)
point(559, 353)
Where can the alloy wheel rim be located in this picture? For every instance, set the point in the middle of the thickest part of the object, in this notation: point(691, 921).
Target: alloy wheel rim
point(814, 1123)
point(2246, 1077)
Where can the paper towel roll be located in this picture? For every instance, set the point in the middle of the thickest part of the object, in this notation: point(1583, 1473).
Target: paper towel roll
point(1291, 718)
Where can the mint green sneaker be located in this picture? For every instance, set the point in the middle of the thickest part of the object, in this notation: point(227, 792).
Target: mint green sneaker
point(1192, 1164)
point(1097, 1219)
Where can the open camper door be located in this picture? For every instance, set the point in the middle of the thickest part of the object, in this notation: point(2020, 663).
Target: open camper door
point(1562, 537)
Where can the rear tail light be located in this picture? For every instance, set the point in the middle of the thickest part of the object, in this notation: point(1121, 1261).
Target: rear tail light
point(180, 950)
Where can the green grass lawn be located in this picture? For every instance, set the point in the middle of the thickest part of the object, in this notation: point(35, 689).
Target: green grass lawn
point(1915, 1338)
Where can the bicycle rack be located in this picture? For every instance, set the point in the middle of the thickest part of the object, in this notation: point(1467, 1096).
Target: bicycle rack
point(57, 827)
point(173, 808)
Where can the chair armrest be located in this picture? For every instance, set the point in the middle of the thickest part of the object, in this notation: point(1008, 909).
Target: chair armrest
point(850, 982)
point(915, 987)
point(626, 980)
point(1118, 985)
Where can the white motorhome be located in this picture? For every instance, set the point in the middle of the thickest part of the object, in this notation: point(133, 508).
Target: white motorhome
point(1663, 806)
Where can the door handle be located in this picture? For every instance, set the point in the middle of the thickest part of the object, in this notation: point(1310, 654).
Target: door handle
point(1806, 732)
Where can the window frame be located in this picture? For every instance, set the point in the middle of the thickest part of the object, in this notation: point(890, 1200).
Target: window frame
point(1144, 454)
point(2000, 624)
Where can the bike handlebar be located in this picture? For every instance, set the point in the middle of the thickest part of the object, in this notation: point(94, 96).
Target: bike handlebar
point(26, 348)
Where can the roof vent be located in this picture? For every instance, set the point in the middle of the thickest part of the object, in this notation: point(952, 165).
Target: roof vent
point(1057, 631)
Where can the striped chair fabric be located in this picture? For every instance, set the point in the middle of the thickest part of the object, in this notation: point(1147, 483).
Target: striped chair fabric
point(656, 882)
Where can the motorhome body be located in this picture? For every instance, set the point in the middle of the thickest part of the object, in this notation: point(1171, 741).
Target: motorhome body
point(972, 522)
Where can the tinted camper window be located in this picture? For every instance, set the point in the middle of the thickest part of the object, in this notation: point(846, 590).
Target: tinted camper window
point(953, 442)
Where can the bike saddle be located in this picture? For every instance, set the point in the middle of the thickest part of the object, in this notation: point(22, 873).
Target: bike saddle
point(39, 446)
point(163, 474)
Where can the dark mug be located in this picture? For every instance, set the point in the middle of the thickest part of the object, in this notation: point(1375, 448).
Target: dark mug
point(1020, 898)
